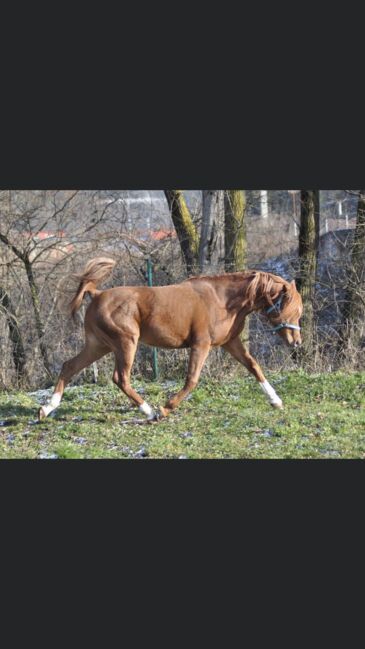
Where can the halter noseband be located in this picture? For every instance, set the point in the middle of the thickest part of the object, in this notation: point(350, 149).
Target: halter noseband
point(283, 325)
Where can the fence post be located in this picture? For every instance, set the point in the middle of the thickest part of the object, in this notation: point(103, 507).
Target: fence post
point(154, 350)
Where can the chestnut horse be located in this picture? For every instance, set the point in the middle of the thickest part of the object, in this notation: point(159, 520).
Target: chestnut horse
point(199, 313)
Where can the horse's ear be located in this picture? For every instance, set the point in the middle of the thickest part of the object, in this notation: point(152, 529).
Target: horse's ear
point(292, 283)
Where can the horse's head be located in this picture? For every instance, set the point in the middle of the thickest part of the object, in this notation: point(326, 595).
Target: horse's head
point(285, 314)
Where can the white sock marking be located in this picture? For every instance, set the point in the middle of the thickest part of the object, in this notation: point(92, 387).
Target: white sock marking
point(270, 393)
point(147, 410)
point(52, 404)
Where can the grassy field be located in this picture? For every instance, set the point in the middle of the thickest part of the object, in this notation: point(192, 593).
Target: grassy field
point(324, 417)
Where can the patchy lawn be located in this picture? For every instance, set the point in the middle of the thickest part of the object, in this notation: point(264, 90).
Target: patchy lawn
point(324, 417)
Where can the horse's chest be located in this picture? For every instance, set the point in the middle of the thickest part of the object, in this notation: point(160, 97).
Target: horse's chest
point(226, 328)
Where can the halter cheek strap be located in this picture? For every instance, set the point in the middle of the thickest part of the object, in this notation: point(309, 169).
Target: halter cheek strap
point(283, 325)
point(276, 305)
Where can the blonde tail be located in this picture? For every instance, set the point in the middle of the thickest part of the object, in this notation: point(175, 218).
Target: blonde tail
point(95, 272)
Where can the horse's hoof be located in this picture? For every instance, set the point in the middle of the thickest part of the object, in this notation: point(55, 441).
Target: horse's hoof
point(161, 414)
point(278, 406)
point(153, 420)
point(164, 412)
point(41, 414)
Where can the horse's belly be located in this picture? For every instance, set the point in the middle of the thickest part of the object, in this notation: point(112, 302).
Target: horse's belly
point(159, 337)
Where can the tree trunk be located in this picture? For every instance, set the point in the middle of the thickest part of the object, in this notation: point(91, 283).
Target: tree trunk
point(317, 214)
point(18, 352)
point(354, 304)
point(235, 243)
point(235, 230)
point(264, 207)
point(306, 278)
point(34, 292)
point(185, 228)
point(211, 246)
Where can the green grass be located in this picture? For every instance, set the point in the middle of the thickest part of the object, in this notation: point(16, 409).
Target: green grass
point(323, 417)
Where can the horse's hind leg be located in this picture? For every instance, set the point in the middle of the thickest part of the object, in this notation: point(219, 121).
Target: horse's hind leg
point(196, 362)
point(88, 355)
point(124, 358)
point(237, 350)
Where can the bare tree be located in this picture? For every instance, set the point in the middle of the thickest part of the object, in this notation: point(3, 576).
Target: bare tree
point(34, 243)
point(211, 245)
point(199, 251)
point(18, 352)
point(235, 241)
point(308, 251)
point(34, 293)
point(235, 230)
point(264, 207)
point(185, 228)
point(220, 240)
point(354, 304)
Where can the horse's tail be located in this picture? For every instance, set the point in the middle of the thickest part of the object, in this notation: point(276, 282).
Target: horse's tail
point(96, 271)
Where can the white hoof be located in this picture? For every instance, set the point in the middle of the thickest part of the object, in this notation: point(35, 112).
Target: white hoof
point(45, 410)
point(278, 405)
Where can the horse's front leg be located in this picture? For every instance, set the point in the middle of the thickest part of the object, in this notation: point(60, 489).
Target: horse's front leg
point(197, 357)
point(237, 350)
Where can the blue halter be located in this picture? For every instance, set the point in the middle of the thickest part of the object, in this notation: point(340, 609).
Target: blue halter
point(283, 325)
point(276, 305)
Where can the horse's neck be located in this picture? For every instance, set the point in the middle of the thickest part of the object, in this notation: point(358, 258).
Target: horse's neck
point(238, 292)
point(230, 291)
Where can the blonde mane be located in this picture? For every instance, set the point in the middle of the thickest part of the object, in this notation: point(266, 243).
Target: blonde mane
point(262, 287)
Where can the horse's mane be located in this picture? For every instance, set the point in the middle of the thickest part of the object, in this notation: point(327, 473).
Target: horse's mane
point(264, 285)
point(237, 276)
point(260, 285)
